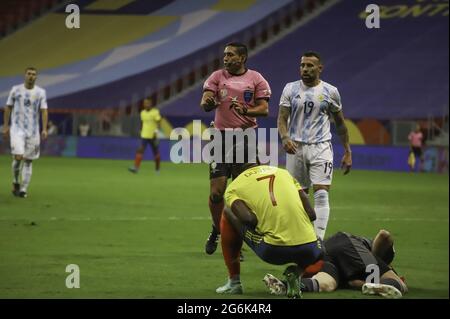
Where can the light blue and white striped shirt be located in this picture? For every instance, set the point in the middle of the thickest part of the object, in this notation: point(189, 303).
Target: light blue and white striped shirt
point(311, 108)
point(26, 105)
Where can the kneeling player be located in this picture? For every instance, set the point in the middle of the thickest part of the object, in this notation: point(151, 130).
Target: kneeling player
point(267, 209)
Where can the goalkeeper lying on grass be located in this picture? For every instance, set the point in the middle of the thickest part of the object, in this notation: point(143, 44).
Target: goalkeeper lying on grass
point(351, 262)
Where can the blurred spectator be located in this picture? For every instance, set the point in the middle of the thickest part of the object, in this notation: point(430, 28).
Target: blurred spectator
point(415, 138)
point(106, 118)
point(52, 129)
point(84, 129)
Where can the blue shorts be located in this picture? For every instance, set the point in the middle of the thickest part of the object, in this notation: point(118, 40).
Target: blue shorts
point(153, 142)
point(303, 255)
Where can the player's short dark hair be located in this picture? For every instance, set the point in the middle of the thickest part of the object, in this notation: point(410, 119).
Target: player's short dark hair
point(32, 68)
point(311, 54)
point(240, 48)
point(388, 255)
point(148, 98)
point(238, 168)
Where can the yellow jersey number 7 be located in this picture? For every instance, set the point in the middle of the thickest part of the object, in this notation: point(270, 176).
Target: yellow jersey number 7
point(271, 178)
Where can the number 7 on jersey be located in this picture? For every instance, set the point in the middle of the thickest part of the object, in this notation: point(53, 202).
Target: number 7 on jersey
point(271, 178)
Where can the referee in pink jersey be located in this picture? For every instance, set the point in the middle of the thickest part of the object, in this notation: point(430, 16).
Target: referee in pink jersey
point(238, 95)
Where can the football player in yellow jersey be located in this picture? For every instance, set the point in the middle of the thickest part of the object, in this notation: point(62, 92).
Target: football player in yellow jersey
point(266, 208)
point(150, 124)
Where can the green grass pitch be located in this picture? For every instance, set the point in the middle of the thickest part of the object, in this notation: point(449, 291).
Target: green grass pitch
point(142, 236)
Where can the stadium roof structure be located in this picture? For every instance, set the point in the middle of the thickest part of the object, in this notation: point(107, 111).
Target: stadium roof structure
point(122, 47)
point(398, 71)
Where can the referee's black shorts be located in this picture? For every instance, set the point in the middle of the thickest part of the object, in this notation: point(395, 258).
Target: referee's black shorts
point(223, 167)
point(417, 151)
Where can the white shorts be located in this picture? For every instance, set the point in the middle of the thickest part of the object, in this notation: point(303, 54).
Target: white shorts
point(27, 146)
point(312, 164)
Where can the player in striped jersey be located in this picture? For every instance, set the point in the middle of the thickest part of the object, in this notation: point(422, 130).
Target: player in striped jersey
point(306, 109)
point(24, 103)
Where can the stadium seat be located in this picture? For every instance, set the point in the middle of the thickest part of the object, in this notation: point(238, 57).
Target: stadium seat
point(13, 13)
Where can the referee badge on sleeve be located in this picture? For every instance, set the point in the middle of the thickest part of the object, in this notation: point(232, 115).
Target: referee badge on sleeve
point(248, 96)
